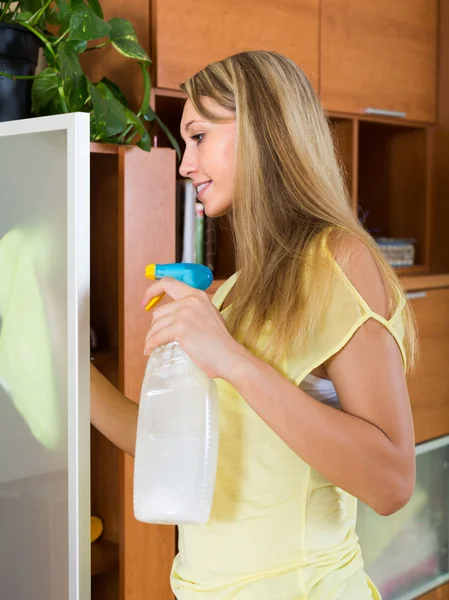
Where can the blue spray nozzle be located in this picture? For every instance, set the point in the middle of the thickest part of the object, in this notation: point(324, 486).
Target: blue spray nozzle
point(196, 275)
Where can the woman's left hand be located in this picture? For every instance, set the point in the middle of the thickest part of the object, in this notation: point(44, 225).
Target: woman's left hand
point(194, 322)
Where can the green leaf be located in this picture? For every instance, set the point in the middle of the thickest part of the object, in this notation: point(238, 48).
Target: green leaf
point(53, 16)
point(73, 78)
point(124, 40)
point(95, 6)
point(64, 14)
point(85, 25)
point(133, 119)
point(45, 93)
point(24, 16)
point(77, 46)
point(145, 142)
point(49, 57)
point(109, 116)
point(115, 90)
point(94, 134)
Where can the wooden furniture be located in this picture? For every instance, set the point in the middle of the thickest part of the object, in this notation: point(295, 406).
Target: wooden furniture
point(132, 224)
point(188, 35)
point(379, 56)
point(428, 386)
point(440, 213)
point(359, 55)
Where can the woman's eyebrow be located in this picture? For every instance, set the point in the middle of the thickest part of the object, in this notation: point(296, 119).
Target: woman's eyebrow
point(191, 123)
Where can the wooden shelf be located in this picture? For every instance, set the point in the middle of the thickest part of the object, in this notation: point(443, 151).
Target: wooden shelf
point(104, 556)
point(425, 282)
point(348, 116)
point(99, 148)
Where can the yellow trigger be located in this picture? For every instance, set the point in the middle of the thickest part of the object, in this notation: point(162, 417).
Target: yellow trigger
point(150, 273)
point(152, 303)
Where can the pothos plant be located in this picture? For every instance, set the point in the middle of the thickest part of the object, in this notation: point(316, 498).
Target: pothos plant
point(66, 29)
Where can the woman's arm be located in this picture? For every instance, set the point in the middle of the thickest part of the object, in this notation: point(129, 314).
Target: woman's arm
point(367, 448)
point(112, 413)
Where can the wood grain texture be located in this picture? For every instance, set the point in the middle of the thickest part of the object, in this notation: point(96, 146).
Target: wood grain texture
point(425, 282)
point(439, 250)
point(146, 235)
point(104, 556)
point(189, 35)
point(428, 386)
point(379, 54)
point(104, 321)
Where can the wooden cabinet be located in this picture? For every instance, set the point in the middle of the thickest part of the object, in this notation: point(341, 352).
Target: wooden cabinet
point(429, 385)
point(132, 225)
point(189, 35)
point(379, 55)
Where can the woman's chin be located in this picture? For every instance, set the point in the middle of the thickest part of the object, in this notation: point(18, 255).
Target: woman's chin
point(215, 210)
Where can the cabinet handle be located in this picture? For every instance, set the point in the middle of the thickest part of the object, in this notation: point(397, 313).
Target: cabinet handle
point(413, 295)
point(385, 113)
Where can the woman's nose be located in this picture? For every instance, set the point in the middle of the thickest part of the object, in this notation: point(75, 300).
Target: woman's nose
point(187, 166)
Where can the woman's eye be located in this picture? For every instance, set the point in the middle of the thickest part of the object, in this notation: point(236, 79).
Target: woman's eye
point(198, 137)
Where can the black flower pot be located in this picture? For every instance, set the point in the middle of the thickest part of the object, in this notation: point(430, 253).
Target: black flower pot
point(19, 51)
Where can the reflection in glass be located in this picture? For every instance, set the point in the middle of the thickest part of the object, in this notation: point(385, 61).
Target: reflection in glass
point(33, 367)
point(408, 551)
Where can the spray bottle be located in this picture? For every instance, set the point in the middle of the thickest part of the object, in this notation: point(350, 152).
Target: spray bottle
point(178, 429)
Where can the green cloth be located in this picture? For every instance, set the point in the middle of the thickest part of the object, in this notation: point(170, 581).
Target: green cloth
point(26, 364)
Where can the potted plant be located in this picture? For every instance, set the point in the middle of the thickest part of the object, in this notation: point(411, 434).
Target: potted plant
point(66, 29)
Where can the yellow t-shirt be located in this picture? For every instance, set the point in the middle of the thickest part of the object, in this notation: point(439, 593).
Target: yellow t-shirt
point(278, 529)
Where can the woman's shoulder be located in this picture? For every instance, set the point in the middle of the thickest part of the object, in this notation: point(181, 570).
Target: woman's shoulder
point(355, 262)
point(350, 290)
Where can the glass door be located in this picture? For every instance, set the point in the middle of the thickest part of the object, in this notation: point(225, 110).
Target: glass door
point(44, 359)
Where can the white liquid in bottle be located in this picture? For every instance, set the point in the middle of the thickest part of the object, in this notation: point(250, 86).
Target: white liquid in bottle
point(177, 440)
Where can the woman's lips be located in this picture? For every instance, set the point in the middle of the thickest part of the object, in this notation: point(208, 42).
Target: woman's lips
point(200, 193)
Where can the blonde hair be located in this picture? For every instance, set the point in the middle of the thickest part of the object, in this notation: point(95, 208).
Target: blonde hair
point(289, 190)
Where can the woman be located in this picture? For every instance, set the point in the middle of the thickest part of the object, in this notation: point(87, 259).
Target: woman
point(309, 344)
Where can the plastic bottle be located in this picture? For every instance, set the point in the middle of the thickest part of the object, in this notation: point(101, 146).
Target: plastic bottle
point(178, 427)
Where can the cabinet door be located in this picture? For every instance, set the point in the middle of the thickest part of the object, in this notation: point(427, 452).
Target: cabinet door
point(380, 56)
point(44, 359)
point(189, 35)
point(429, 385)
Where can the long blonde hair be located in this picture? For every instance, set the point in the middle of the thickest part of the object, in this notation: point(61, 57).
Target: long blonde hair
point(289, 190)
